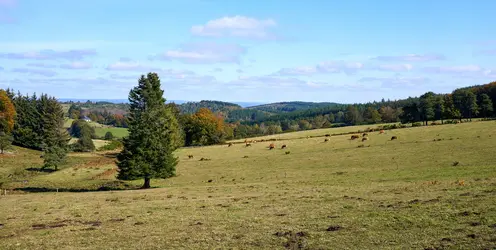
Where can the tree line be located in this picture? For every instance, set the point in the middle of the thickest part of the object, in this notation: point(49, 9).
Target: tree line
point(36, 123)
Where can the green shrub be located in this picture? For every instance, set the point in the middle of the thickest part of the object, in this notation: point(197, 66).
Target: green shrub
point(109, 136)
point(113, 145)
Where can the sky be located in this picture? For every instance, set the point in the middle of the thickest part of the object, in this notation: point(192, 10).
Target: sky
point(247, 51)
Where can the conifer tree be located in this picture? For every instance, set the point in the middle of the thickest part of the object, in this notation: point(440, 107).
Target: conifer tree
point(85, 143)
point(55, 138)
point(153, 134)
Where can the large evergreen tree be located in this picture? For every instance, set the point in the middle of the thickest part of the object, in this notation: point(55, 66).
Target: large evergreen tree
point(153, 134)
point(55, 139)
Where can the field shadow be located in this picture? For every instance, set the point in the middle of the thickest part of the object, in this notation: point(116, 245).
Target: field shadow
point(110, 155)
point(113, 186)
point(41, 170)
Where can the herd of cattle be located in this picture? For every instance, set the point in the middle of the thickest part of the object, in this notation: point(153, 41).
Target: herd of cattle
point(364, 137)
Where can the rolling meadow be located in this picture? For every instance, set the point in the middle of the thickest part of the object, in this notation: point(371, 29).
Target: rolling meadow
point(434, 187)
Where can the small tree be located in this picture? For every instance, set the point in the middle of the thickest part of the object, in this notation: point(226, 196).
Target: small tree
point(78, 125)
point(5, 141)
point(153, 135)
point(109, 136)
point(426, 106)
point(486, 105)
point(372, 115)
point(85, 143)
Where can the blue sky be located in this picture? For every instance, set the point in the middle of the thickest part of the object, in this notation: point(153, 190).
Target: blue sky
point(254, 51)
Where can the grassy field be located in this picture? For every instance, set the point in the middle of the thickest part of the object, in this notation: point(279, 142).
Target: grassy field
point(117, 132)
point(101, 130)
point(433, 188)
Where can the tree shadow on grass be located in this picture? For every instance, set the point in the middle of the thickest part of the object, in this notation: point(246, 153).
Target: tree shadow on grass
point(111, 186)
point(111, 155)
point(41, 170)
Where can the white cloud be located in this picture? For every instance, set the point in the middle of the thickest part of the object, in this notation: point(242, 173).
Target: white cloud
point(236, 26)
point(393, 67)
point(454, 69)
point(412, 58)
point(31, 71)
point(76, 65)
point(42, 65)
point(204, 53)
point(50, 54)
point(397, 81)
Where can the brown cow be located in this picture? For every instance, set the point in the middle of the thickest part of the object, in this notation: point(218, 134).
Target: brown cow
point(230, 144)
point(283, 146)
point(394, 138)
point(365, 134)
point(381, 132)
point(248, 144)
point(272, 146)
point(326, 140)
point(365, 138)
point(190, 156)
point(353, 137)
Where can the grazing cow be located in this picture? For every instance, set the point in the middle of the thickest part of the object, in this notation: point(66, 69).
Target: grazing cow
point(381, 132)
point(190, 156)
point(394, 138)
point(283, 146)
point(248, 144)
point(365, 138)
point(365, 134)
point(272, 146)
point(230, 144)
point(326, 140)
point(353, 137)
point(327, 135)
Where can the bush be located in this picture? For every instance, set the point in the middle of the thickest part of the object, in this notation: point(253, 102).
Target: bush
point(113, 145)
point(84, 144)
point(416, 124)
point(109, 136)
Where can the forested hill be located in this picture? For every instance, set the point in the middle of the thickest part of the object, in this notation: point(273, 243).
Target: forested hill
point(467, 102)
point(281, 107)
point(214, 106)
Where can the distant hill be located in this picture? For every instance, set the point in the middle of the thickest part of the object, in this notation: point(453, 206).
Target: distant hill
point(120, 101)
point(215, 106)
point(242, 112)
point(282, 107)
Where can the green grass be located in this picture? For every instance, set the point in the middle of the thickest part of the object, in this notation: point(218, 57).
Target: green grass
point(117, 132)
point(402, 194)
point(101, 130)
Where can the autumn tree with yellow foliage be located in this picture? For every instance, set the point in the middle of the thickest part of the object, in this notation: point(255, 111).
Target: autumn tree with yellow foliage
point(204, 128)
point(7, 118)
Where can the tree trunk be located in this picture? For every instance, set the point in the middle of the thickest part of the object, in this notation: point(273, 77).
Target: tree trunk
point(146, 184)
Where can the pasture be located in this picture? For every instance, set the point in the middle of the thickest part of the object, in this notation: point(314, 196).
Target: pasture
point(117, 132)
point(433, 187)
